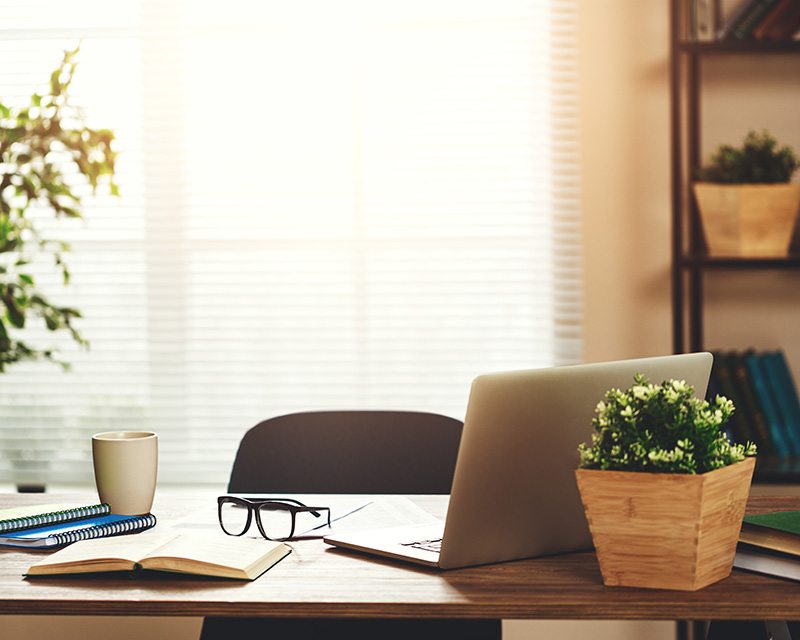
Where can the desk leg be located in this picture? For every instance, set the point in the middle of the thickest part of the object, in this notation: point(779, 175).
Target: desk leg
point(691, 630)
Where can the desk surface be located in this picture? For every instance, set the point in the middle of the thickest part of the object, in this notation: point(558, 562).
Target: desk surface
point(317, 580)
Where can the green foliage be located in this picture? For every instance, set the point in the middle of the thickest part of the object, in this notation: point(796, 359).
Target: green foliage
point(661, 429)
point(758, 161)
point(43, 148)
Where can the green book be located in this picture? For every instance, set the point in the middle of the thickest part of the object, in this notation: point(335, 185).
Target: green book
point(781, 520)
point(777, 531)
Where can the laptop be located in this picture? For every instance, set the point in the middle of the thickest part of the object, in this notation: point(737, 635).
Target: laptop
point(514, 493)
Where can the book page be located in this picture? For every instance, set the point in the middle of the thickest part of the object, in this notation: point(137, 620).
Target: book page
point(215, 554)
point(104, 554)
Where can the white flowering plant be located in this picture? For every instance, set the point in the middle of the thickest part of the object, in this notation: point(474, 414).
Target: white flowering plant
point(661, 429)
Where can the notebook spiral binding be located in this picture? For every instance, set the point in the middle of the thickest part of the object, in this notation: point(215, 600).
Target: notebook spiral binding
point(54, 517)
point(106, 530)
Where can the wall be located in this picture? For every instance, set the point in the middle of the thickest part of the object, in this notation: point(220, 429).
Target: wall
point(624, 111)
point(624, 92)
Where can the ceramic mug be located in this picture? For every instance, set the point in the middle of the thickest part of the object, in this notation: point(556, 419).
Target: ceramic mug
point(125, 470)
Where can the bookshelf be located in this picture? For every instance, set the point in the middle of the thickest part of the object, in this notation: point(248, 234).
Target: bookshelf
point(691, 262)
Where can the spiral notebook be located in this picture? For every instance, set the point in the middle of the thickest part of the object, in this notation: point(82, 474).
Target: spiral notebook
point(53, 526)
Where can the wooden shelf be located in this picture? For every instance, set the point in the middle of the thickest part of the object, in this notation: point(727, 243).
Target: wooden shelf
point(710, 262)
point(748, 47)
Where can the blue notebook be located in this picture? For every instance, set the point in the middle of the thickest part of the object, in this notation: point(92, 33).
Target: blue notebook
point(62, 533)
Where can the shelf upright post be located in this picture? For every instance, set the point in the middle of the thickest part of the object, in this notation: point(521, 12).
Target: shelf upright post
point(693, 116)
point(676, 168)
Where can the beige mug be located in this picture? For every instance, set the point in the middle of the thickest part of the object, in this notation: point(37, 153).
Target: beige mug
point(125, 470)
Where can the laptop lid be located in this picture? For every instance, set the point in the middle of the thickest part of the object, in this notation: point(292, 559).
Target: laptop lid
point(514, 492)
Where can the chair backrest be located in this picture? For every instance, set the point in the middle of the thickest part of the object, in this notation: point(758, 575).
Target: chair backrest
point(378, 452)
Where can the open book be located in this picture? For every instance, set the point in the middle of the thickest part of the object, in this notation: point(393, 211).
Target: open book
point(203, 554)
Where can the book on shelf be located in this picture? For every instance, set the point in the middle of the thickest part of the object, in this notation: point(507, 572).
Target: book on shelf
point(780, 23)
point(216, 555)
point(721, 383)
point(762, 388)
point(744, 18)
point(782, 386)
point(767, 402)
point(703, 20)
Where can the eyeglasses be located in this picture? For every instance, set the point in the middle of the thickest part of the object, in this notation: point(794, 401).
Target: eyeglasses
point(275, 517)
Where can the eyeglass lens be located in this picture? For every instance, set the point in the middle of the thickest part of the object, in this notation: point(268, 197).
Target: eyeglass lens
point(233, 518)
point(276, 523)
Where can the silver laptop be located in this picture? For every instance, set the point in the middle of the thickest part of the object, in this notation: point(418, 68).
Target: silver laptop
point(514, 493)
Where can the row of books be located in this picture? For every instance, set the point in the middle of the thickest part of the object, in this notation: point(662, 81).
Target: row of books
point(763, 390)
point(764, 20)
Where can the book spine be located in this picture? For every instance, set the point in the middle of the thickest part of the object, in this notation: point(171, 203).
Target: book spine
point(775, 16)
point(786, 394)
point(735, 18)
point(767, 401)
point(703, 20)
point(55, 517)
point(751, 19)
point(737, 425)
point(134, 524)
point(787, 26)
point(767, 454)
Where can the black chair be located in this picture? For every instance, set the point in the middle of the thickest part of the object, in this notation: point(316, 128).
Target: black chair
point(351, 452)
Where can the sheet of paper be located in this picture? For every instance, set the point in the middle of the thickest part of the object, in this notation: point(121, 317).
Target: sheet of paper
point(348, 513)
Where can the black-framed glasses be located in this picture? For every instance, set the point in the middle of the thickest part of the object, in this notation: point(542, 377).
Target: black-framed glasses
point(275, 517)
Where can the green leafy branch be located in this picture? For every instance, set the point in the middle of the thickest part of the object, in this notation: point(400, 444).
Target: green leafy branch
point(42, 147)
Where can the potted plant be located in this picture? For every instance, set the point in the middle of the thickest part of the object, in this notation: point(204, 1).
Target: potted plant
point(48, 156)
point(44, 147)
point(747, 204)
point(663, 488)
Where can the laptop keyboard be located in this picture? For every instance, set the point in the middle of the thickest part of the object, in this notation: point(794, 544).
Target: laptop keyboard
point(434, 546)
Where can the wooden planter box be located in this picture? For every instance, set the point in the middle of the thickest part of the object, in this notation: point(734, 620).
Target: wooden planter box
point(665, 531)
point(748, 220)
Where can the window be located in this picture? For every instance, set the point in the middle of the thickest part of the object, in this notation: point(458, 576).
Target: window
point(325, 204)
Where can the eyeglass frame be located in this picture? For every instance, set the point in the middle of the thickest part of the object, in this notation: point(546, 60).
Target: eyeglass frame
point(255, 504)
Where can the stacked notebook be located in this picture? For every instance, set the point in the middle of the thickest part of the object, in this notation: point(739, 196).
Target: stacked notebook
point(56, 525)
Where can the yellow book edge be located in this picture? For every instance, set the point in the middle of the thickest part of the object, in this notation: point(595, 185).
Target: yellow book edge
point(769, 538)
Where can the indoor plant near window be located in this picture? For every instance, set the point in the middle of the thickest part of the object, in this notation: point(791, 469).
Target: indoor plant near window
point(663, 488)
point(47, 157)
point(748, 206)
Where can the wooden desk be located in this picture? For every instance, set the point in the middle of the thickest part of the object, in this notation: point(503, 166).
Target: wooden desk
point(319, 581)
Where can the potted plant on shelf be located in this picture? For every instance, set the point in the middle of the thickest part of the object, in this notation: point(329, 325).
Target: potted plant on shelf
point(47, 154)
point(748, 206)
point(663, 488)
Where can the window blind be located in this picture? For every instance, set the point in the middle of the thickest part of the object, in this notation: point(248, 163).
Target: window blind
point(349, 204)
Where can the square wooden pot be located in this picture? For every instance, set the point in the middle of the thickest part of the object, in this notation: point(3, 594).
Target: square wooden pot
point(748, 220)
point(663, 530)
